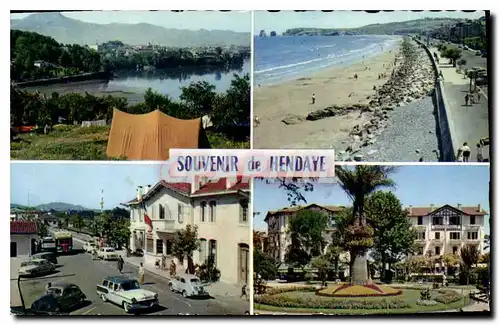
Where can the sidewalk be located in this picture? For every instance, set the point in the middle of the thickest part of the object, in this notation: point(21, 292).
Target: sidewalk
point(467, 123)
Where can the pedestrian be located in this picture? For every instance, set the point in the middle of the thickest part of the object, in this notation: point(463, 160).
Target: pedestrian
point(471, 98)
point(141, 274)
point(244, 291)
point(47, 287)
point(467, 100)
point(313, 98)
point(356, 76)
point(478, 95)
point(465, 152)
point(479, 156)
point(120, 264)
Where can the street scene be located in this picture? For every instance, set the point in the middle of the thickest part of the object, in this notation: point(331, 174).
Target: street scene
point(366, 243)
point(69, 259)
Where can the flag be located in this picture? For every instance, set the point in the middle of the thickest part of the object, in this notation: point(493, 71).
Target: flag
point(147, 219)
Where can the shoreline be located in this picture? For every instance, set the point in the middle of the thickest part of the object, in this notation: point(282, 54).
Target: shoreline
point(331, 86)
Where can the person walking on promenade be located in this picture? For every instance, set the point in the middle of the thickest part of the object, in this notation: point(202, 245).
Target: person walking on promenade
point(478, 95)
point(464, 152)
point(479, 155)
point(119, 264)
point(141, 274)
point(467, 100)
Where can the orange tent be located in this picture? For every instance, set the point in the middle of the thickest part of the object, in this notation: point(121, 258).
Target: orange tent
point(150, 136)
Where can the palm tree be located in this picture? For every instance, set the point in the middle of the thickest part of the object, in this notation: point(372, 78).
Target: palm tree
point(358, 184)
point(470, 256)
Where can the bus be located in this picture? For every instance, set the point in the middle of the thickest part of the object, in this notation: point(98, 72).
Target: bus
point(48, 244)
point(64, 241)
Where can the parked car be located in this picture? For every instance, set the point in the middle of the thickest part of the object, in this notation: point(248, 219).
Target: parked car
point(36, 267)
point(89, 247)
point(189, 285)
point(107, 253)
point(127, 293)
point(68, 295)
point(49, 256)
point(46, 305)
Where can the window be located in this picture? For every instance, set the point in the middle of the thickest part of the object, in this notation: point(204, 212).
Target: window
point(455, 235)
point(212, 207)
point(472, 235)
point(115, 287)
point(455, 250)
point(203, 211)
point(159, 246)
point(472, 220)
point(161, 211)
point(437, 250)
point(420, 220)
point(110, 285)
point(169, 247)
point(212, 251)
point(203, 250)
point(105, 283)
point(243, 211)
point(437, 235)
point(180, 216)
point(150, 247)
point(421, 235)
point(437, 221)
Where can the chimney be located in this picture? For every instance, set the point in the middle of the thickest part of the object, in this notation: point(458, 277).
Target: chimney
point(459, 206)
point(139, 193)
point(410, 209)
point(229, 183)
point(146, 189)
point(432, 207)
point(196, 183)
point(479, 208)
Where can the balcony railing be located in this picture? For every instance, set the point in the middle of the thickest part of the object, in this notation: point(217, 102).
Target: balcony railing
point(473, 241)
point(447, 227)
point(437, 241)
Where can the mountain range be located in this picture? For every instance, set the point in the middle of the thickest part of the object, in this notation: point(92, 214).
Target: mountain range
point(72, 31)
point(394, 28)
point(56, 206)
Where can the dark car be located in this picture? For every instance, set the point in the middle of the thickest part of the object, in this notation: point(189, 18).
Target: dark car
point(67, 295)
point(46, 305)
point(49, 256)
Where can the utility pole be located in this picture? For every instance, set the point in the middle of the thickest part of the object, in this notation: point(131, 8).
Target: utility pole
point(102, 200)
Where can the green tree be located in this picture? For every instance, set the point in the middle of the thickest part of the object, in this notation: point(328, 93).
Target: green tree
point(453, 54)
point(308, 227)
point(199, 97)
point(185, 242)
point(338, 245)
point(77, 222)
point(120, 234)
point(322, 265)
point(264, 265)
point(359, 183)
point(469, 255)
point(393, 234)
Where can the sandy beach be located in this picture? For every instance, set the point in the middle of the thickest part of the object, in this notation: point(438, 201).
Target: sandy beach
point(332, 86)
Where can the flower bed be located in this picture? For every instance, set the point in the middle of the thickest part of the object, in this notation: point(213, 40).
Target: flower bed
point(447, 296)
point(352, 291)
point(312, 302)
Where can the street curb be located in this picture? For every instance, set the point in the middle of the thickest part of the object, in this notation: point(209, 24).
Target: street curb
point(446, 130)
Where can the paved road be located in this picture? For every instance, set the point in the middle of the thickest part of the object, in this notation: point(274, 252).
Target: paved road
point(86, 273)
point(468, 123)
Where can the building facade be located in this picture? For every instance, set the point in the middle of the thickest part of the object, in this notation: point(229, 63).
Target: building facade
point(219, 208)
point(23, 235)
point(446, 229)
point(277, 227)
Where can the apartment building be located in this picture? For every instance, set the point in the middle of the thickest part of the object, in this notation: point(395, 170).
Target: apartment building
point(446, 229)
point(277, 226)
point(218, 207)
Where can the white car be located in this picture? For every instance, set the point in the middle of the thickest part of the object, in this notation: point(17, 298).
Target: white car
point(127, 293)
point(189, 285)
point(36, 267)
point(89, 247)
point(107, 253)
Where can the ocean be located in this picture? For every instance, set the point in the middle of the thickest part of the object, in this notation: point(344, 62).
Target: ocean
point(282, 58)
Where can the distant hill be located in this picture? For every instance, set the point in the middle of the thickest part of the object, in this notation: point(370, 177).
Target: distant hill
point(72, 31)
point(57, 206)
point(395, 28)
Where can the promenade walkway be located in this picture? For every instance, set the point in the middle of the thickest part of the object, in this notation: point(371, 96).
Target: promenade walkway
point(467, 123)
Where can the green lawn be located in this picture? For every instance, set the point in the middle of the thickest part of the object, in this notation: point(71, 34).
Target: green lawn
point(409, 296)
point(79, 143)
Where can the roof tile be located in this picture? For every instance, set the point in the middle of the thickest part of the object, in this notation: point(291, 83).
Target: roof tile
point(22, 227)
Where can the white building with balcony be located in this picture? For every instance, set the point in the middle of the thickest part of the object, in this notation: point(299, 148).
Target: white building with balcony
point(446, 229)
point(218, 207)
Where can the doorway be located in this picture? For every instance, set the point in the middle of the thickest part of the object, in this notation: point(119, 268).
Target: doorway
point(13, 249)
point(243, 253)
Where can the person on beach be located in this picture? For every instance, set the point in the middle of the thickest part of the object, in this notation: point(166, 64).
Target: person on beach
point(356, 76)
point(467, 100)
point(479, 154)
point(141, 274)
point(464, 151)
point(313, 98)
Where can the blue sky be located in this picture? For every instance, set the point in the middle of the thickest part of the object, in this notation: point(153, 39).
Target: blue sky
point(415, 185)
point(238, 21)
point(284, 20)
point(81, 183)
